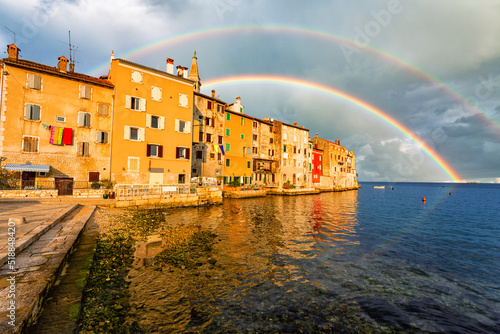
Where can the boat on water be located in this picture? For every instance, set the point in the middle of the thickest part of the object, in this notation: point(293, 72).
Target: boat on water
point(378, 187)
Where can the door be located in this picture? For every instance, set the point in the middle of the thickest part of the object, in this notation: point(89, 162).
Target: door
point(64, 186)
point(28, 179)
point(155, 179)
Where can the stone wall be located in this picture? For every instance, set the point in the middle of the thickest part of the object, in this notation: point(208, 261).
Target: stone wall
point(48, 193)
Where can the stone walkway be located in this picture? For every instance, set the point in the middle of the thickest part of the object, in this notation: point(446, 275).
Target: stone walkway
point(42, 245)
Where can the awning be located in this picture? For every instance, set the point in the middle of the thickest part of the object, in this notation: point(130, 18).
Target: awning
point(27, 168)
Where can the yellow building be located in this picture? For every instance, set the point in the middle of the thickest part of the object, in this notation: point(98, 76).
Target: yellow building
point(238, 144)
point(54, 123)
point(152, 124)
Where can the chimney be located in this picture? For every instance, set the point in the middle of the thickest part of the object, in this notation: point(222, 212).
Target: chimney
point(62, 65)
point(13, 51)
point(295, 123)
point(213, 93)
point(238, 99)
point(170, 66)
point(179, 70)
point(339, 141)
point(112, 57)
point(185, 72)
point(317, 135)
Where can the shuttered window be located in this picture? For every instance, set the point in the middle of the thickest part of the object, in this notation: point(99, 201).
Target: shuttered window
point(32, 112)
point(182, 153)
point(133, 164)
point(85, 92)
point(182, 126)
point(34, 81)
point(136, 77)
point(83, 149)
point(156, 93)
point(135, 103)
point(30, 144)
point(103, 109)
point(134, 133)
point(183, 100)
point(154, 150)
point(84, 119)
point(155, 122)
point(93, 176)
point(101, 137)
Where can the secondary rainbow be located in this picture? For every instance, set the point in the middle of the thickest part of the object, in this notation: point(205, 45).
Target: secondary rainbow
point(489, 118)
point(289, 81)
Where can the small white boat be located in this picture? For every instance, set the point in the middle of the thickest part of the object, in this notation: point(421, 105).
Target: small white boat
point(378, 187)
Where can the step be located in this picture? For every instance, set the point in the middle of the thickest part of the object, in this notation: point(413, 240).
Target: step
point(29, 232)
point(37, 268)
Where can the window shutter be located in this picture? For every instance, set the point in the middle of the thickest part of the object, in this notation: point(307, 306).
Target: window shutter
point(187, 129)
point(82, 91)
point(141, 134)
point(148, 150)
point(98, 136)
point(142, 105)
point(187, 153)
point(161, 122)
point(177, 125)
point(128, 101)
point(148, 120)
point(177, 152)
point(87, 119)
point(35, 112)
point(37, 82)
point(79, 148)
point(160, 151)
point(126, 132)
point(27, 111)
point(81, 117)
point(88, 92)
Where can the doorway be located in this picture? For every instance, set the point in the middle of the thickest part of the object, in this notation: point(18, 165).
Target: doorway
point(28, 179)
point(64, 186)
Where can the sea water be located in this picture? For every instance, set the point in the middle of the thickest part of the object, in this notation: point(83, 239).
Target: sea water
point(372, 260)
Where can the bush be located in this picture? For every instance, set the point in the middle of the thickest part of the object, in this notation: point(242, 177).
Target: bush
point(107, 184)
point(288, 185)
point(95, 185)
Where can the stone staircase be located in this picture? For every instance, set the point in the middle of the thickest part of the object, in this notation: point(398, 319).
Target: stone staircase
point(42, 249)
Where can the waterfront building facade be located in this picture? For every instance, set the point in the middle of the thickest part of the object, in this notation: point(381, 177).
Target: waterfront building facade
point(317, 166)
point(55, 123)
point(238, 144)
point(152, 124)
point(265, 162)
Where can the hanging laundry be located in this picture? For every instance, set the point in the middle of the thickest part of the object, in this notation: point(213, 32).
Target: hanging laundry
point(59, 138)
point(216, 149)
point(67, 138)
point(52, 131)
point(222, 149)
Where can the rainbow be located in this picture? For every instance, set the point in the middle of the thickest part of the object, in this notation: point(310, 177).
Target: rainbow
point(288, 81)
point(489, 118)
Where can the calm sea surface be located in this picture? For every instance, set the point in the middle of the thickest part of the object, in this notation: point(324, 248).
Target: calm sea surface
point(373, 260)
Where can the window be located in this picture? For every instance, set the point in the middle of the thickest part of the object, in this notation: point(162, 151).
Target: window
point(156, 93)
point(242, 136)
point(134, 133)
point(228, 162)
point(32, 112)
point(182, 178)
point(93, 176)
point(228, 132)
point(248, 164)
point(209, 121)
point(209, 105)
point(199, 154)
point(155, 122)
point(85, 92)
point(219, 156)
point(136, 77)
point(242, 121)
point(182, 153)
point(219, 108)
point(284, 136)
point(254, 137)
point(254, 150)
point(102, 109)
point(30, 144)
point(135, 103)
point(61, 119)
point(220, 140)
point(201, 137)
point(83, 149)
point(249, 150)
point(284, 148)
point(182, 126)
point(212, 155)
point(34, 81)
point(294, 149)
point(183, 100)
point(133, 164)
point(101, 137)
point(255, 124)
point(270, 129)
point(228, 116)
point(155, 151)
point(228, 147)
point(271, 140)
point(209, 138)
point(84, 119)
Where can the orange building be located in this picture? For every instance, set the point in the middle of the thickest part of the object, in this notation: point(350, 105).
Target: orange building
point(54, 123)
point(152, 124)
point(238, 144)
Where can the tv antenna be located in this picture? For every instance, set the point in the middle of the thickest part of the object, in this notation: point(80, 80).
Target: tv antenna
point(72, 48)
point(12, 33)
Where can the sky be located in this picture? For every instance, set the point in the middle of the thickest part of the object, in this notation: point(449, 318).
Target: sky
point(430, 69)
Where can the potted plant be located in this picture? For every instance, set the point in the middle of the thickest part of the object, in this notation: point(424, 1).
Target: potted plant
point(95, 185)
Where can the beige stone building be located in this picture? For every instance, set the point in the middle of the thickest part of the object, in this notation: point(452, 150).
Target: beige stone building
point(55, 123)
point(292, 146)
point(265, 162)
point(207, 159)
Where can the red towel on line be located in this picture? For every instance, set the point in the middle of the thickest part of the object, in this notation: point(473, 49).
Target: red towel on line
point(67, 137)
